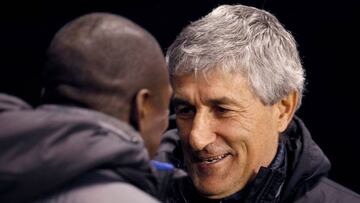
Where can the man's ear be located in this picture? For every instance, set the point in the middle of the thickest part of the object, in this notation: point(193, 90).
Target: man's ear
point(142, 104)
point(286, 108)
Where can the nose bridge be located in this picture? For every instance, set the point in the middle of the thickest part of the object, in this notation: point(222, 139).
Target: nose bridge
point(201, 132)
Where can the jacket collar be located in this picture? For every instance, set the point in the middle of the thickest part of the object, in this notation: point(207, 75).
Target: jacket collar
point(306, 160)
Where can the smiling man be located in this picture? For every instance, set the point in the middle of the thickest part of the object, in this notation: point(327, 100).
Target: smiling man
point(227, 132)
point(238, 81)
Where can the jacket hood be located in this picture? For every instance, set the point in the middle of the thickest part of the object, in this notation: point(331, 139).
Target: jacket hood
point(307, 162)
point(43, 148)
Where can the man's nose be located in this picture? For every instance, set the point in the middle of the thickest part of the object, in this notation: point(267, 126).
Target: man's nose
point(201, 133)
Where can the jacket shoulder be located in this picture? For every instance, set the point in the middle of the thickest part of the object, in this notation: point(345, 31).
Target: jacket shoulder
point(329, 191)
point(114, 192)
point(9, 102)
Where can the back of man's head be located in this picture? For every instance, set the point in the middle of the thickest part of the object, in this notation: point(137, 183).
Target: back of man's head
point(100, 61)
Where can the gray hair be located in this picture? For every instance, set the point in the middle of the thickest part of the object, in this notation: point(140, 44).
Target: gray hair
point(241, 39)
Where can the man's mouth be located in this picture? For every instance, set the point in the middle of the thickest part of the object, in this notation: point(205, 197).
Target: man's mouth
point(212, 160)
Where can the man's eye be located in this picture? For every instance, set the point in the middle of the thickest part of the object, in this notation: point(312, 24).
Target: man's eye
point(184, 111)
point(221, 111)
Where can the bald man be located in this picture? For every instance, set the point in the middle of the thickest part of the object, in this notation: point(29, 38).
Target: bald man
point(100, 123)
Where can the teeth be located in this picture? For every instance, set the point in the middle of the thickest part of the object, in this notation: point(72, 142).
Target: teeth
point(214, 159)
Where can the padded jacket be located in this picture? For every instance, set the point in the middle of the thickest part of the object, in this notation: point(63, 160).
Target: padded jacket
point(63, 154)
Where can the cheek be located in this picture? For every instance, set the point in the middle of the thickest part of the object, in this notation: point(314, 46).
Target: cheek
point(159, 125)
point(258, 139)
point(164, 123)
point(161, 120)
point(232, 131)
point(184, 128)
point(241, 139)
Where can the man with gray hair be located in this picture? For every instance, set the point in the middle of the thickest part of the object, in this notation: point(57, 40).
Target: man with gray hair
point(238, 81)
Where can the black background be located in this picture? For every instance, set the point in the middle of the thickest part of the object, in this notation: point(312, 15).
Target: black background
point(326, 33)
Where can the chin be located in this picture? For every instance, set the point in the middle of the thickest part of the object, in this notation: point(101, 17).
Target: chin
point(211, 189)
point(213, 194)
point(217, 187)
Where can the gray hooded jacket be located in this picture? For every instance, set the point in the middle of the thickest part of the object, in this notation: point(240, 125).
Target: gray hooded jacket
point(68, 154)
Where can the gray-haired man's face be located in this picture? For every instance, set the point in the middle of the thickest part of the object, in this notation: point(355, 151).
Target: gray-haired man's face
point(227, 133)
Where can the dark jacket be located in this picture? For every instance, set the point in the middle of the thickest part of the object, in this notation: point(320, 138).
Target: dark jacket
point(67, 154)
point(301, 177)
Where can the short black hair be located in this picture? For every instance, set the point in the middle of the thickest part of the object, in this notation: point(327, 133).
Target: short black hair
point(100, 61)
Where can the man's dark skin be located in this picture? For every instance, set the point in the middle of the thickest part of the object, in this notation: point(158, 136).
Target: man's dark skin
point(104, 106)
point(77, 73)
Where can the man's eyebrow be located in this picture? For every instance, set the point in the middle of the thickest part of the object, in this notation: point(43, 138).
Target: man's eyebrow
point(223, 100)
point(178, 101)
point(213, 102)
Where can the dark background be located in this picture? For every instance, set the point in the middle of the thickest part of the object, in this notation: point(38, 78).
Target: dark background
point(325, 31)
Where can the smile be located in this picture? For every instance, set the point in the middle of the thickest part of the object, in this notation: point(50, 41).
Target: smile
point(213, 160)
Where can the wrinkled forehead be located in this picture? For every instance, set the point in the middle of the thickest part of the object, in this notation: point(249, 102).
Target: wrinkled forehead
point(218, 72)
point(203, 66)
point(212, 82)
